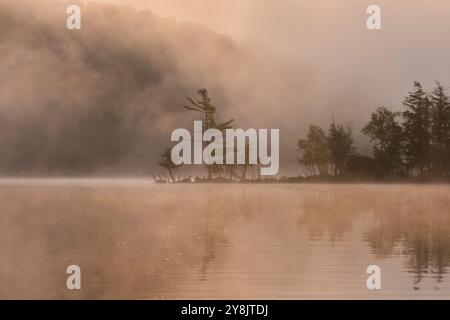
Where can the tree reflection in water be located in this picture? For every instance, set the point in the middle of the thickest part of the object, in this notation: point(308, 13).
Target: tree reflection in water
point(404, 220)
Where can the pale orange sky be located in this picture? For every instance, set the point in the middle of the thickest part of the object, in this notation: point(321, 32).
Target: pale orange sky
point(328, 33)
point(324, 48)
point(353, 70)
point(332, 37)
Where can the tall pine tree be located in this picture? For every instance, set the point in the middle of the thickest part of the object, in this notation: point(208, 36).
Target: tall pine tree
point(440, 116)
point(417, 131)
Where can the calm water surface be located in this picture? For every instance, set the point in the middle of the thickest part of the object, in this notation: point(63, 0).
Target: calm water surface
point(136, 240)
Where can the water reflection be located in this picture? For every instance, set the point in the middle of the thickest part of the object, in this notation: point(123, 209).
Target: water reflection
point(418, 227)
point(141, 241)
point(411, 221)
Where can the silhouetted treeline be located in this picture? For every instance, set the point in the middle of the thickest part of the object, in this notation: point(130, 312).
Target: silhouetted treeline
point(414, 143)
point(409, 145)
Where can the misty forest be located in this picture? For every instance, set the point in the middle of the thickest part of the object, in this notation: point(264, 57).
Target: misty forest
point(409, 145)
point(103, 101)
point(414, 143)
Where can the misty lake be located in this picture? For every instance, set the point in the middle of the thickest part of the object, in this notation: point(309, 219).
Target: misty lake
point(136, 240)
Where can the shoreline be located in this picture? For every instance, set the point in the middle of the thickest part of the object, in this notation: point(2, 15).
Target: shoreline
point(101, 180)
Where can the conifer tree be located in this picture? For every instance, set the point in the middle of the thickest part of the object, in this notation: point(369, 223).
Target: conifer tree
point(204, 105)
point(417, 131)
point(440, 117)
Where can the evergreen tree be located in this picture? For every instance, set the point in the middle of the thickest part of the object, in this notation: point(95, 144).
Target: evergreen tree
point(417, 130)
point(440, 117)
point(384, 130)
point(204, 105)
